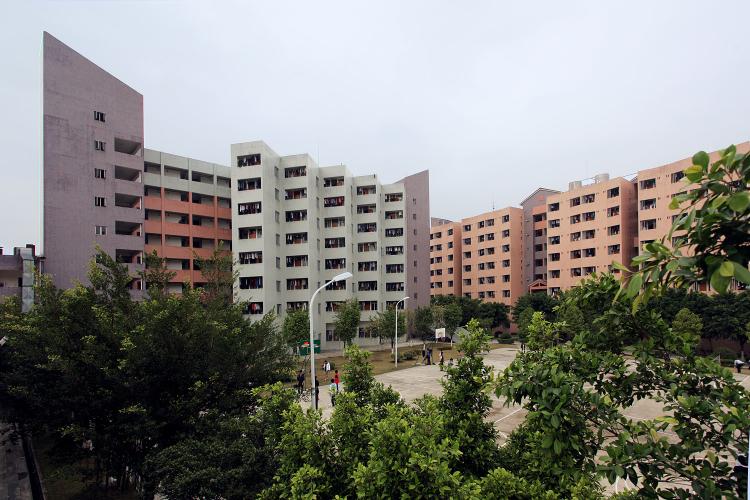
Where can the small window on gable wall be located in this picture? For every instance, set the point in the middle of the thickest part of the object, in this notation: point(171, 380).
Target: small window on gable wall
point(99, 116)
point(100, 173)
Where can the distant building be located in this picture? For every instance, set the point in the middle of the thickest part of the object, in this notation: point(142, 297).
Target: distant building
point(445, 257)
point(17, 272)
point(296, 225)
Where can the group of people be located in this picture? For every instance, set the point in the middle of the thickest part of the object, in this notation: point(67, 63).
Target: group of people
point(333, 388)
point(427, 357)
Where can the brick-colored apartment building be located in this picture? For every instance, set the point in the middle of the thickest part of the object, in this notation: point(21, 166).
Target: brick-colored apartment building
point(445, 257)
point(588, 227)
point(563, 237)
point(187, 213)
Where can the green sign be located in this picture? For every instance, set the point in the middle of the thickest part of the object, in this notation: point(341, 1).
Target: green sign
point(304, 347)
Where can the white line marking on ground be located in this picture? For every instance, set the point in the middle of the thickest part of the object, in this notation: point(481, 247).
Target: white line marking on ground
point(508, 415)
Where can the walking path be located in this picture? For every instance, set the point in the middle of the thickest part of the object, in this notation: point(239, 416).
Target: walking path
point(14, 477)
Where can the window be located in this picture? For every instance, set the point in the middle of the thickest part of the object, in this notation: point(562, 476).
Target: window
point(504, 248)
point(613, 230)
point(648, 204)
point(333, 181)
point(335, 263)
point(506, 218)
point(365, 190)
point(467, 241)
point(331, 222)
point(575, 219)
point(589, 252)
point(367, 286)
point(540, 217)
point(394, 214)
point(395, 250)
point(554, 240)
point(613, 249)
point(554, 257)
point(574, 202)
point(99, 116)
point(251, 257)
point(296, 261)
point(295, 172)
point(367, 266)
point(333, 201)
point(450, 232)
point(251, 282)
point(394, 232)
point(99, 145)
point(390, 197)
point(296, 215)
point(506, 233)
point(575, 254)
point(648, 224)
point(100, 230)
point(589, 216)
point(252, 207)
point(588, 198)
point(677, 176)
point(506, 294)
point(648, 184)
point(589, 234)
point(99, 201)
point(297, 284)
point(506, 263)
point(100, 173)
point(366, 209)
point(555, 273)
point(369, 246)
point(369, 227)
point(337, 285)
point(575, 236)
point(467, 227)
point(248, 160)
point(335, 242)
point(554, 207)
point(394, 268)
point(554, 223)
point(250, 233)
point(248, 184)
point(613, 211)
point(368, 305)
point(296, 238)
point(613, 192)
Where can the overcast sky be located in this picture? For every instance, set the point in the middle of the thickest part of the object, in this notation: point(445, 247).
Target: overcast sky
point(494, 98)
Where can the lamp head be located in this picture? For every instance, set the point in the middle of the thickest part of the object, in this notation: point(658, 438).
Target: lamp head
point(342, 276)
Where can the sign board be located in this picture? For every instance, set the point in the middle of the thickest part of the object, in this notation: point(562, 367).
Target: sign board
point(439, 333)
point(304, 347)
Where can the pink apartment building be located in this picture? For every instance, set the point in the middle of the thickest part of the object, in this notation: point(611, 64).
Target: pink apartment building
point(445, 257)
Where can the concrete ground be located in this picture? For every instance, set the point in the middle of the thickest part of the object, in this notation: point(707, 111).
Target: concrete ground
point(14, 477)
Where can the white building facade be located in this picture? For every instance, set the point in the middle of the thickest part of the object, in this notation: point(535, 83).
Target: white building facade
point(296, 225)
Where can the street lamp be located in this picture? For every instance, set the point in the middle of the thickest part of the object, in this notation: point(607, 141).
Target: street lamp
point(396, 339)
point(338, 277)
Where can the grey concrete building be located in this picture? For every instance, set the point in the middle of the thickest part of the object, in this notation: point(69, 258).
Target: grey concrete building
point(534, 256)
point(296, 225)
point(93, 165)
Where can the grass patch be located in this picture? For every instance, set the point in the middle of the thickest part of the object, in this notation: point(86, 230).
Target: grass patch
point(62, 481)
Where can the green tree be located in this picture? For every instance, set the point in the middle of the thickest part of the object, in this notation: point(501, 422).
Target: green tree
point(687, 322)
point(714, 223)
point(346, 324)
point(296, 327)
point(537, 302)
point(524, 320)
point(357, 373)
point(465, 404)
point(571, 319)
point(156, 276)
point(220, 275)
point(453, 317)
point(423, 323)
point(383, 325)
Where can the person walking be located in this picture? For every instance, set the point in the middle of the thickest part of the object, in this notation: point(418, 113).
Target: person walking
point(738, 364)
point(336, 380)
point(333, 390)
point(300, 382)
point(442, 358)
point(317, 393)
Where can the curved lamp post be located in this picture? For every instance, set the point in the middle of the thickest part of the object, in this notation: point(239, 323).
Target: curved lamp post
point(396, 338)
point(338, 277)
